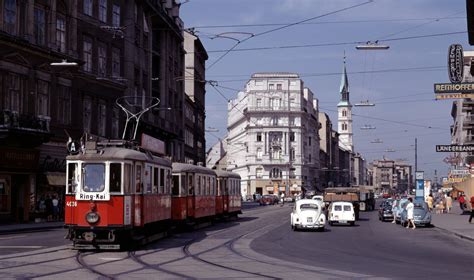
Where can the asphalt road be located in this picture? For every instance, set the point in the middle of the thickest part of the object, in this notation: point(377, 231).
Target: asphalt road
point(29, 241)
point(380, 249)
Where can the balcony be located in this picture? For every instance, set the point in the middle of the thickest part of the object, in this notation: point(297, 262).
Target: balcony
point(13, 120)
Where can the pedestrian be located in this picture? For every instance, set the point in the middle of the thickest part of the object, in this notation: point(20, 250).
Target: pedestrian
point(282, 198)
point(429, 201)
point(440, 207)
point(254, 196)
point(410, 208)
point(55, 202)
point(48, 202)
point(472, 209)
point(449, 203)
point(461, 201)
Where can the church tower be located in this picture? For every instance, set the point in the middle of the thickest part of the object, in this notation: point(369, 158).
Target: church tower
point(344, 114)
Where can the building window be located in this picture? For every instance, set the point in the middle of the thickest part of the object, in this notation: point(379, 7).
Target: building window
point(344, 126)
point(344, 113)
point(309, 158)
point(87, 8)
point(115, 123)
point(274, 120)
point(87, 114)
point(102, 59)
point(271, 86)
point(116, 15)
point(259, 102)
point(64, 105)
point(276, 153)
point(61, 33)
point(102, 118)
point(292, 154)
point(259, 172)
point(14, 89)
point(309, 141)
point(292, 136)
point(87, 54)
point(292, 121)
point(40, 26)
point(115, 62)
point(42, 98)
point(9, 21)
point(103, 10)
point(275, 173)
point(292, 173)
point(259, 137)
point(259, 153)
point(279, 87)
point(275, 103)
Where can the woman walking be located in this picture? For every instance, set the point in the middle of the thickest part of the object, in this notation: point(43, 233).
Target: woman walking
point(410, 207)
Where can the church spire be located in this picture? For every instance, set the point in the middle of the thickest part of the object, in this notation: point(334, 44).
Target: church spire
point(344, 88)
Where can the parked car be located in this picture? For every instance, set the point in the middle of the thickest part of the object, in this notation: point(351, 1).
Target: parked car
point(341, 212)
point(267, 199)
point(289, 199)
point(308, 214)
point(398, 208)
point(421, 214)
point(385, 210)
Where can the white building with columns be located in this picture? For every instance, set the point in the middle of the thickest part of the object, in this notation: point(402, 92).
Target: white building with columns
point(273, 140)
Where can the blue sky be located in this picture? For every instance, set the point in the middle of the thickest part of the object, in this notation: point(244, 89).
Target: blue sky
point(404, 98)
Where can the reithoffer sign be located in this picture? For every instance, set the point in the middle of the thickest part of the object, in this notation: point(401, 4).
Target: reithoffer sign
point(455, 63)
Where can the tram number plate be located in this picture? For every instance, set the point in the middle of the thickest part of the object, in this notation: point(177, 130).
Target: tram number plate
point(71, 204)
point(310, 220)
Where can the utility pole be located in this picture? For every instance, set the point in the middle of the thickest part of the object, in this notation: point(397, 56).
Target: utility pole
point(416, 155)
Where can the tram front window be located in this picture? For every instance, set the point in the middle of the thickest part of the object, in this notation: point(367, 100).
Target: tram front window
point(94, 177)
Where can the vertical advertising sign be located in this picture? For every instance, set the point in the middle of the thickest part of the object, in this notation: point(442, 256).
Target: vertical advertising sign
point(420, 186)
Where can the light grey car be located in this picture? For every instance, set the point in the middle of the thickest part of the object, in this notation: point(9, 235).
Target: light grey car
point(421, 214)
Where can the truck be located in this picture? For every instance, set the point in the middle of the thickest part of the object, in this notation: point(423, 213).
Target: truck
point(362, 197)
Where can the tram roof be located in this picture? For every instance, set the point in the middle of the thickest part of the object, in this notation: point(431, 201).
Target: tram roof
point(113, 153)
point(186, 167)
point(223, 173)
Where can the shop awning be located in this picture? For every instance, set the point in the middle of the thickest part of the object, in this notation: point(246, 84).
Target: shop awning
point(56, 178)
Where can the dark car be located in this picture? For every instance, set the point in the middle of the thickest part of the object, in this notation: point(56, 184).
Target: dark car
point(267, 199)
point(385, 211)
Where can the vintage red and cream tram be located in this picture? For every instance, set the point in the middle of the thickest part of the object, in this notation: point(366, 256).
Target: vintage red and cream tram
point(229, 197)
point(194, 193)
point(115, 194)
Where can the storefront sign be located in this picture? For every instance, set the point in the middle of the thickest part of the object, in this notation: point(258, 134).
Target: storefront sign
point(454, 88)
point(454, 148)
point(19, 159)
point(454, 96)
point(459, 172)
point(455, 63)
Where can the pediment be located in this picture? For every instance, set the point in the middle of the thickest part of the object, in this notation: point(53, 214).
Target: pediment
point(17, 58)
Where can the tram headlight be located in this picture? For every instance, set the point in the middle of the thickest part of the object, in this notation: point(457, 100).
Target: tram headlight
point(92, 217)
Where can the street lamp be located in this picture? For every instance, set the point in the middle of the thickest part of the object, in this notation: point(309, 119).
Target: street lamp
point(64, 62)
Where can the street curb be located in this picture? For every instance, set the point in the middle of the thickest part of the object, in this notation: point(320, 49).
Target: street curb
point(28, 229)
point(462, 236)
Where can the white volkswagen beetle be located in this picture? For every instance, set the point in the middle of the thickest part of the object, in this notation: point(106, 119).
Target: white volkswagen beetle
point(308, 214)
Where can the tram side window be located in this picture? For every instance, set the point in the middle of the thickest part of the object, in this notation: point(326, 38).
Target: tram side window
point(162, 181)
point(219, 185)
point(168, 181)
point(155, 180)
point(115, 177)
point(183, 190)
point(72, 178)
point(148, 178)
point(209, 185)
point(127, 177)
point(198, 190)
point(175, 189)
point(226, 191)
point(213, 184)
point(190, 185)
point(138, 179)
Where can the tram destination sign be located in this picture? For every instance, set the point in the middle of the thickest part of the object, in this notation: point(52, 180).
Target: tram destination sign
point(454, 148)
point(454, 88)
point(455, 63)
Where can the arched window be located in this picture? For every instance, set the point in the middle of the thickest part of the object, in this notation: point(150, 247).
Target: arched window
point(344, 113)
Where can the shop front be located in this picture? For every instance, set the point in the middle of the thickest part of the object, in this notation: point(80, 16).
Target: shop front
point(18, 168)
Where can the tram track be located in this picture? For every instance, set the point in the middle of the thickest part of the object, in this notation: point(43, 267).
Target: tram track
point(80, 259)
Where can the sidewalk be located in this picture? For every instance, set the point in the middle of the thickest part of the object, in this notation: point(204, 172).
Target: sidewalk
point(14, 228)
point(454, 223)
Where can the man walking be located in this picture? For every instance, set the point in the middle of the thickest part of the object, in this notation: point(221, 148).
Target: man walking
point(472, 209)
point(461, 201)
point(449, 203)
point(410, 207)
